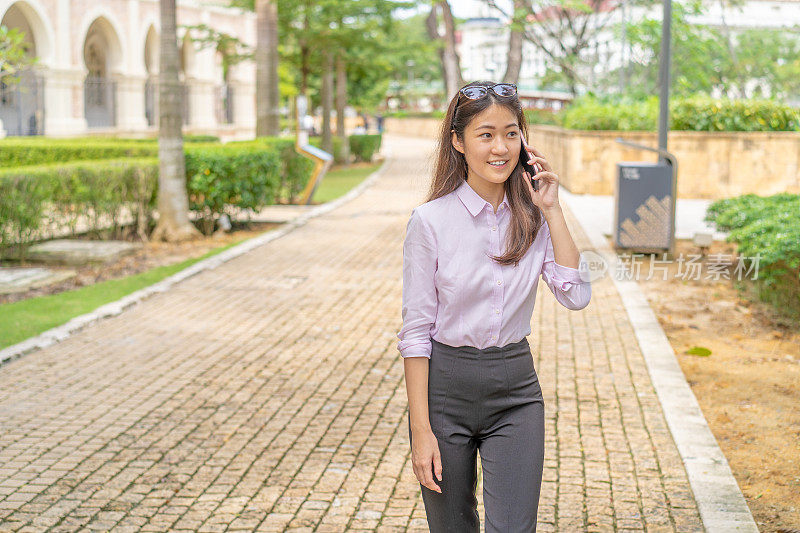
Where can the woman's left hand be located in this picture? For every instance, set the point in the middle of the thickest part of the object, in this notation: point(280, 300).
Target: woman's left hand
point(547, 195)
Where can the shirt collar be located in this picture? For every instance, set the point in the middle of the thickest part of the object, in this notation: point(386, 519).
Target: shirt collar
point(473, 201)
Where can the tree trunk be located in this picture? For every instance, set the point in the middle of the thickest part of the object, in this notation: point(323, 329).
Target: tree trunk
point(451, 64)
point(327, 101)
point(304, 57)
point(266, 55)
point(341, 103)
point(514, 60)
point(173, 203)
point(451, 60)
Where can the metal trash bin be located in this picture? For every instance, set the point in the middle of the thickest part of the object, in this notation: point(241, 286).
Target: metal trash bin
point(644, 207)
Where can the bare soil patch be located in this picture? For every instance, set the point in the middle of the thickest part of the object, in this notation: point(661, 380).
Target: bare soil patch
point(748, 387)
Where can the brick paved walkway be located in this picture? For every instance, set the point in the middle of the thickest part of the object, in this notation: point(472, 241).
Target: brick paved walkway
point(267, 394)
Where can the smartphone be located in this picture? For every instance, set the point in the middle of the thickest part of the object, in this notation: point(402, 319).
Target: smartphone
point(523, 158)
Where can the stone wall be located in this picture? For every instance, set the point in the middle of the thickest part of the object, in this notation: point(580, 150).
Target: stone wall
point(711, 165)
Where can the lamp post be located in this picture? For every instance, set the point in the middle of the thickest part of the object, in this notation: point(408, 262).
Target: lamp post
point(663, 79)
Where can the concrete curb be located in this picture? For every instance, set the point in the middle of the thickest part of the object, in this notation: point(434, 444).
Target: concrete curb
point(59, 333)
point(720, 501)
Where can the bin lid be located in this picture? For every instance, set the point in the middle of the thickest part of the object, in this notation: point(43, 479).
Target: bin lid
point(641, 164)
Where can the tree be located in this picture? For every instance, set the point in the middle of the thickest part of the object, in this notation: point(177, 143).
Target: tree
point(451, 62)
point(515, 39)
point(772, 57)
point(173, 203)
point(562, 29)
point(231, 49)
point(14, 55)
point(327, 100)
point(267, 91)
point(709, 59)
point(699, 55)
point(408, 53)
point(341, 103)
point(359, 33)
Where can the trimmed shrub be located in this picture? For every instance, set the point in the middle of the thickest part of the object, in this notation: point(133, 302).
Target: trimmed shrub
point(220, 177)
point(31, 196)
point(588, 113)
point(16, 152)
point(225, 177)
point(770, 228)
point(338, 154)
point(706, 114)
point(536, 116)
point(295, 170)
point(436, 113)
point(363, 147)
point(200, 139)
point(700, 113)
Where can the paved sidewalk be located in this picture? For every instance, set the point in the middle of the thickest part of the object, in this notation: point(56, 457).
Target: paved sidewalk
point(267, 394)
point(597, 211)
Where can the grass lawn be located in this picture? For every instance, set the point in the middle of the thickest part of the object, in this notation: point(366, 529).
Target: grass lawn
point(28, 318)
point(339, 181)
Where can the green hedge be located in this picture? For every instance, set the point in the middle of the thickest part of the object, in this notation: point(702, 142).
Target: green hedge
point(17, 152)
point(686, 114)
point(436, 113)
point(295, 170)
point(247, 175)
point(706, 114)
point(64, 191)
point(223, 177)
point(542, 116)
point(363, 147)
point(338, 153)
point(770, 227)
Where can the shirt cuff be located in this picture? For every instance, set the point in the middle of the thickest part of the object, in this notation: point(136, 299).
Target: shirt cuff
point(565, 276)
point(415, 349)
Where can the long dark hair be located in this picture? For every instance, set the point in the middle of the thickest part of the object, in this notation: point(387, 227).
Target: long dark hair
point(450, 170)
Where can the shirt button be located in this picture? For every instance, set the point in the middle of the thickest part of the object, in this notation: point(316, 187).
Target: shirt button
point(494, 228)
point(499, 282)
point(497, 311)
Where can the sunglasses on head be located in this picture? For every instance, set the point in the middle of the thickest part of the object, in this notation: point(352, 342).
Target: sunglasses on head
point(479, 91)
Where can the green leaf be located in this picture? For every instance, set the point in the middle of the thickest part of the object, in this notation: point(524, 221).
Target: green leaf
point(699, 351)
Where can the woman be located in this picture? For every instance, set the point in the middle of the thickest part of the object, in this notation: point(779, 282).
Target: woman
point(467, 308)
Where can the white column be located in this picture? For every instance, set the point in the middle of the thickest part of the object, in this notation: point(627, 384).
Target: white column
point(63, 39)
point(204, 95)
point(244, 105)
point(202, 107)
point(243, 86)
point(130, 103)
point(63, 102)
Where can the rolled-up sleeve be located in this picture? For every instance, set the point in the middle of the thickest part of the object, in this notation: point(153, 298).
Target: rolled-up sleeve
point(565, 282)
point(419, 291)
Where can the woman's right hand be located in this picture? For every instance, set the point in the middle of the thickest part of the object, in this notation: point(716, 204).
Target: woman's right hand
point(424, 453)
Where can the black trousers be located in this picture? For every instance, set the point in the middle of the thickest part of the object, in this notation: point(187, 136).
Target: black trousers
point(489, 401)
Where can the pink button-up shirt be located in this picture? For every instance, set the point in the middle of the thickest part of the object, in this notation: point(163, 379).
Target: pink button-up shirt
point(455, 293)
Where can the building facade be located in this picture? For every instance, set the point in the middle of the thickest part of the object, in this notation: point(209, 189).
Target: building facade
point(97, 69)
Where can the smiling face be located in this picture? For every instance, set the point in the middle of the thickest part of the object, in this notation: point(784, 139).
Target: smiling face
point(492, 136)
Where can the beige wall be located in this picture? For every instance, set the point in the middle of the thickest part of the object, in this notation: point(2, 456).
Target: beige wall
point(710, 165)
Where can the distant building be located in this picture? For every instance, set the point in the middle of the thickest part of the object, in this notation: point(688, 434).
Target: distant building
point(98, 69)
